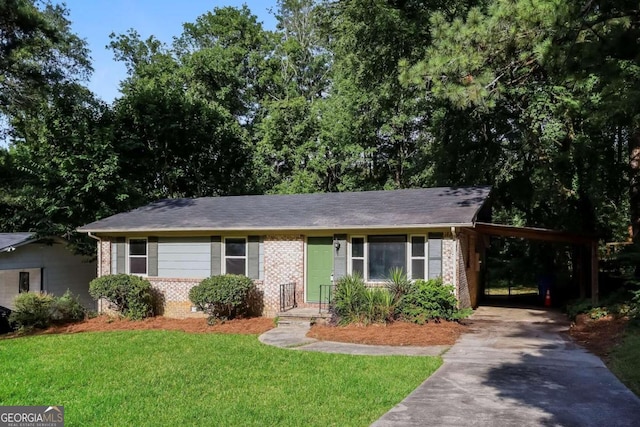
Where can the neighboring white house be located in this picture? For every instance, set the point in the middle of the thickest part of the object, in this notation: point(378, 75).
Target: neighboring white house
point(28, 263)
point(309, 240)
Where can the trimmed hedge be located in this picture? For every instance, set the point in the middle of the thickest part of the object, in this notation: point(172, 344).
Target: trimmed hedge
point(224, 297)
point(131, 295)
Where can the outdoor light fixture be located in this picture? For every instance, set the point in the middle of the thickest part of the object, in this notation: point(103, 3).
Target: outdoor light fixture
point(336, 244)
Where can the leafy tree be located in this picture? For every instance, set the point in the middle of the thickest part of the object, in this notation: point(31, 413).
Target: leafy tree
point(186, 108)
point(542, 80)
point(64, 168)
point(38, 51)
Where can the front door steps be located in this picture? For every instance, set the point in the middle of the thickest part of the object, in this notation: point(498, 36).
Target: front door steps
point(302, 317)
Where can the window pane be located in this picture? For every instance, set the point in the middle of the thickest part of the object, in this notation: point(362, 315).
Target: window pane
point(235, 266)
point(137, 247)
point(435, 268)
point(417, 269)
point(138, 265)
point(358, 267)
point(24, 282)
point(235, 247)
point(385, 254)
point(417, 246)
point(435, 247)
point(357, 247)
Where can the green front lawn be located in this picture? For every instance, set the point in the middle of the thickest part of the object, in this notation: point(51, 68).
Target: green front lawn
point(156, 378)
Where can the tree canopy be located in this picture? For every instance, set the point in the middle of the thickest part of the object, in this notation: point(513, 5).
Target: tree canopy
point(540, 99)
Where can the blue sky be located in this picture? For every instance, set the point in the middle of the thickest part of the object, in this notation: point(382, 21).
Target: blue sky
point(94, 20)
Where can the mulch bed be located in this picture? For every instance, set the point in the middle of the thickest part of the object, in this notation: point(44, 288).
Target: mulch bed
point(256, 325)
point(598, 336)
point(397, 333)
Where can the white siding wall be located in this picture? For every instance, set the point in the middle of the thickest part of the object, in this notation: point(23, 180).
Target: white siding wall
point(10, 284)
point(61, 270)
point(184, 257)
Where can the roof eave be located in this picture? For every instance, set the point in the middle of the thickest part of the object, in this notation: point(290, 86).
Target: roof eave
point(289, 228)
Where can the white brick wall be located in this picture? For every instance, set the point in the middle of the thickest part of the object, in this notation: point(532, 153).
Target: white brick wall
point(283, 263)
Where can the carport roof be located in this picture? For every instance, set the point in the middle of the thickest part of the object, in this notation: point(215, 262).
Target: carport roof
point(534, 233)
point(423, 207)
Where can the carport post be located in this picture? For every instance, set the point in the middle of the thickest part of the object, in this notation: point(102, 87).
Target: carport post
point(594, 272)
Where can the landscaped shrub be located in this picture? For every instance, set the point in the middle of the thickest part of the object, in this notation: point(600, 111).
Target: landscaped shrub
point(32, 310)
point(131, 295)
point(67, 308)
point(39, 310)
point(224, 297)
point(379, 305)
point(349, 299)
point(431, 300)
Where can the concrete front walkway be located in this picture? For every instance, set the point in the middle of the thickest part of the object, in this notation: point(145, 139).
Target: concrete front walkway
point(294, 337)
point(518, 368)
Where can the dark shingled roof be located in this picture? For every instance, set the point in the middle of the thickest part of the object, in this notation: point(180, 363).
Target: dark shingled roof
point(367, 209)
point(8, 240)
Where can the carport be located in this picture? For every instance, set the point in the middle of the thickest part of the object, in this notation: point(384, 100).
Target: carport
point(585, 264)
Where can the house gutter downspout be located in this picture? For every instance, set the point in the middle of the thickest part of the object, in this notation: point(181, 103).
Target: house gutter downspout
point(454, 234)
point(99, 267)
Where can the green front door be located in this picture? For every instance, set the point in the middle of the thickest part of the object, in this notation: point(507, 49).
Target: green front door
point(319, 266)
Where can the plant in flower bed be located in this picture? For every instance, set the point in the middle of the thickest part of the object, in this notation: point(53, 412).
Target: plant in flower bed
point(431, 300)
point(40, 310)
point(224, 297)
point(400, 299)
point(131, 295)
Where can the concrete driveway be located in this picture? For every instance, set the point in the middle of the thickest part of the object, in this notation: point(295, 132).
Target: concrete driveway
point(518, 368)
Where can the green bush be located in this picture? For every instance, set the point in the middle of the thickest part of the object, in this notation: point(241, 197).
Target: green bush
point(224, 297)
point(349, 299)
point(578, 307)
point(379, 306)
point(353, 302)
point(67, 308)
point(32, 310)
point(431, 300)
point(131, 295)
point(40, 310)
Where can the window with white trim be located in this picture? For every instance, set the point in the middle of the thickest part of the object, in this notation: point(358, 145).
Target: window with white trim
point(138, 256)
point(385, 253)
point(418, 257)
point(374, 256)
point(357, 256)
point(235, 255)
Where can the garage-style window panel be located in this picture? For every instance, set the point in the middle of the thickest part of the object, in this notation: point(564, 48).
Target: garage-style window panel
point(357, 256)
point(418, 257)
point(138, 256)
point(384, 254)
point(235, 256)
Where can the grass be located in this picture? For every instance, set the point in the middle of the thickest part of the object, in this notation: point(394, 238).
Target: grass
point(515, 290)
point(625, 359)
point(152, 378)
